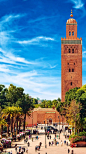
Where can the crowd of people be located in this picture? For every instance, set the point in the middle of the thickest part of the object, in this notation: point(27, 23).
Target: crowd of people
point(53, 140)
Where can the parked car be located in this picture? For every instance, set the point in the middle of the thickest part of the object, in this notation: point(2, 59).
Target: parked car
point(52, 128)
point(1, 147)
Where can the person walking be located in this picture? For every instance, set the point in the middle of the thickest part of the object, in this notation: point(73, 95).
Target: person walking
point(27, 150)
point(72, 152)
point(52, 142)
point(16, 148)
point(61, 143)
point(22, 152)
point(32, 139)
point(68, 151)
point(49, 143)
point(40, 144)
point(67, 143)
point(28, 144)
point(11, 152)
point(35, 148)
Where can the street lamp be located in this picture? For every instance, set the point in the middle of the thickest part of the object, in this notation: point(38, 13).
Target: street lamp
point(45, 135)
point(32, 121)
point(62, 121)
point(47, 123)
point(59, 126)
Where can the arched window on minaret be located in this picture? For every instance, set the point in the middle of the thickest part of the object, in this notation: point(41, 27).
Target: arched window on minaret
point(69, 70)
point(72, 50)
point(69, 33)
point(71, 83)
point(69, 50)
point(73, 33)
point(72, 69)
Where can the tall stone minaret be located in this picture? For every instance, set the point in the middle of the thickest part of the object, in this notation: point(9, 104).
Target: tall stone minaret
point(71, 58)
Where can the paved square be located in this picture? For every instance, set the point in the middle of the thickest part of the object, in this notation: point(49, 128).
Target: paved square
point(53, 149)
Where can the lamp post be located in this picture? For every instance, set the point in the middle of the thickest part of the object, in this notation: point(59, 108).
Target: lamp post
point(59, 126)
point(62, 121)
point(45, 135)
point(32, 121)
point(47, 123)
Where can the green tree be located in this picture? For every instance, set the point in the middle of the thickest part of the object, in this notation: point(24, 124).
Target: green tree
point(35, 101)
point(11, 114)
point(55, 103)
point(73, 114)
point(71, 95)
point(27, 105)
point(49, 104)
point(2, 122)
point(3, 92)
point(14, 93)
point(59, 99)
point(43, 104)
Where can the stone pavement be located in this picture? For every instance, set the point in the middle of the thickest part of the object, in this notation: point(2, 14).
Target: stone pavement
point(50, 149)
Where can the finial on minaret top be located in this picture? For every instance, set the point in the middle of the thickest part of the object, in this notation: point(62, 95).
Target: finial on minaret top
point(71, 14)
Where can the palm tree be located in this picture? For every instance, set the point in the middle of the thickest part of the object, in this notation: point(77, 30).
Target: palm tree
point(18, 113)
point(2, 122)
point(11, 114)
point(26, 104)
point(43, 104)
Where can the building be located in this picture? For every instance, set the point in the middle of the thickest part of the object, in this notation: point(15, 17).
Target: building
point(39, 115)
point(71, 58)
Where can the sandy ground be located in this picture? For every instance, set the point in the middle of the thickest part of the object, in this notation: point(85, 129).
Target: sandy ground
point(50, 149)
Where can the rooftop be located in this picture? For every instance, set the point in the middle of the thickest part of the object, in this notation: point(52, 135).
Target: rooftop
point(71, 20)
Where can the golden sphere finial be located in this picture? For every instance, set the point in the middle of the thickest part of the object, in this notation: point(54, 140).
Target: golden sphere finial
point(71, 14)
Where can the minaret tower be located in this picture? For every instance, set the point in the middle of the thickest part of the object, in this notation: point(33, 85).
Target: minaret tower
point(71, 58)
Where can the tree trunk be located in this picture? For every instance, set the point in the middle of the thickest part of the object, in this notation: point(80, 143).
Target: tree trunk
point(12, 126)
point(24, 122)
point(8, 122)
point(78, 131)
point(1, 131)
point(75, 128)
point(19, 124)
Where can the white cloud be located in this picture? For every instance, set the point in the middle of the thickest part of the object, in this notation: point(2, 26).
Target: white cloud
point(53, 66)
point(78, 4)
point(84, 54)
point(8, 18)
point(3, 68)
point(5, 37)
point(36, 40)
point(27, 74)
point(34, 83)
point(10, 58)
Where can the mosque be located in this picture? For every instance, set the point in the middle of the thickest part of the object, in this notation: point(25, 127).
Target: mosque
point(71, 74)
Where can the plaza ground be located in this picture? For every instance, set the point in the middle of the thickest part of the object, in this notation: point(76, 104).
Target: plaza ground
point(50, 149)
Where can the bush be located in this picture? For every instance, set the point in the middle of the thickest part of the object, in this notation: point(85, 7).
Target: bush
point(80, 137)
point(82, 133)
point(72, 136)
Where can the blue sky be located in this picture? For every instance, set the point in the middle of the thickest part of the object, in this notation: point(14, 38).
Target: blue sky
point(30, 43)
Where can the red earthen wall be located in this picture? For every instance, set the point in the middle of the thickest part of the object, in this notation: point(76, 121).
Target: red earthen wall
point(41, 116)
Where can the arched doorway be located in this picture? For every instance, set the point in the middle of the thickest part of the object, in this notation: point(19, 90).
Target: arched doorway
point(50, 121)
